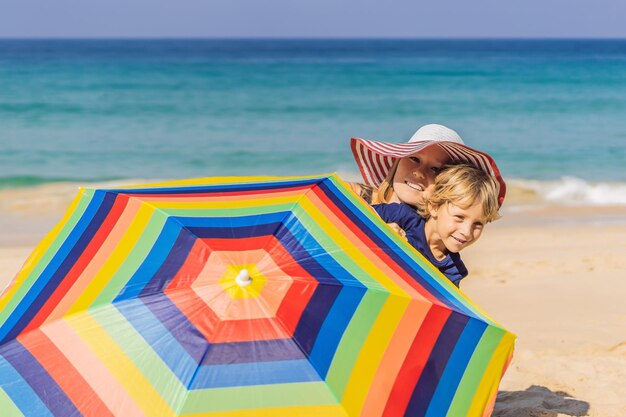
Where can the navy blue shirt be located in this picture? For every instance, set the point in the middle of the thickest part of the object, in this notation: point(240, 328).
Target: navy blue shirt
point(413, 225)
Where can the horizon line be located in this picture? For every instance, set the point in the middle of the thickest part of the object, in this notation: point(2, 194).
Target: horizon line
point(312, 38)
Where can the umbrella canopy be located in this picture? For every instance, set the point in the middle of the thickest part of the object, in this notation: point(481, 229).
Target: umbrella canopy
point(239, 297)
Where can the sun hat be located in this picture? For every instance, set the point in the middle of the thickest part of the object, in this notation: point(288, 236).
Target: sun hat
point(375, 158)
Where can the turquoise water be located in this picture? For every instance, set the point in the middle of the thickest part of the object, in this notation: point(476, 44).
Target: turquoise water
point(100, 110)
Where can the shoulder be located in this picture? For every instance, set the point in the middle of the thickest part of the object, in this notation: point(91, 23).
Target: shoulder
point(455, 268)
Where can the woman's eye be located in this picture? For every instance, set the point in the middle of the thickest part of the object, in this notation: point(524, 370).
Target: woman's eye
point(459, 218)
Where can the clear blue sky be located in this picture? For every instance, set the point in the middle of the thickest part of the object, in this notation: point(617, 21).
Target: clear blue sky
point(313, 18)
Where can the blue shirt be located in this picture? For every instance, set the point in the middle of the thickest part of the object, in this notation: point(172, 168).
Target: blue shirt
point(413, 225)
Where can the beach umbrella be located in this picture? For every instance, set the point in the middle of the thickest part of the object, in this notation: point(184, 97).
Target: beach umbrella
point(239, 297)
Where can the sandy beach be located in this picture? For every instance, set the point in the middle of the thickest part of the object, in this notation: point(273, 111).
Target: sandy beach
point(552, 275)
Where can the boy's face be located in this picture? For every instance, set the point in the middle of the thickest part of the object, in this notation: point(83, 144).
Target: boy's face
point(458, 227)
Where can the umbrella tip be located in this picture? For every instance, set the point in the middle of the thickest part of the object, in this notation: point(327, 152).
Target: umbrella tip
point(243, 278)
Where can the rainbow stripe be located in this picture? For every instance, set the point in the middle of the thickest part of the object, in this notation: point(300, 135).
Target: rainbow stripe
point(130, 307)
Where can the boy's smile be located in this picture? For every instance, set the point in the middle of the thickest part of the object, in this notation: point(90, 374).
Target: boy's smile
point(452, 228)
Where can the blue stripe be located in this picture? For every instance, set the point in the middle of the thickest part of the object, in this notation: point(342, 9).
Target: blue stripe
point(172, 246)
point(436, 364)
point(174, 340)
point(332, 329)
point(171, 265)
point(245, 226)
point(276, 185)
point(258, 373)
point(444, 394)
point(304, 249)
point(46, 388)
point(150, 266)
point(406, 261)
point(13, 325)
point(22, 394)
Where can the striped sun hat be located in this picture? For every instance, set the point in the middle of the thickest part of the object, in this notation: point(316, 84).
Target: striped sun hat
point(375, 159)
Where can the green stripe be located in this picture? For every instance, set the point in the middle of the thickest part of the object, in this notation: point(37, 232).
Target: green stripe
point(226, 212)
point(133, 259)
point(364, 316)
point(474, 371)
point(160, 376)
point(404, 246)
point(150, 234)
point(7, 407)
point(301, 394)
point(352, 341)
point(47, 257)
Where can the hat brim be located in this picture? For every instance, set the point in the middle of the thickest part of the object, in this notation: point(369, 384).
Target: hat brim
point(375, 159)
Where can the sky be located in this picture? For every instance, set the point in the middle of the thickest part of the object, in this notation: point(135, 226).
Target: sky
point(312, 19)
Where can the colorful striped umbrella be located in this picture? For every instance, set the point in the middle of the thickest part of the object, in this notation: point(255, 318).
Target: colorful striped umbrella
point(239, 297)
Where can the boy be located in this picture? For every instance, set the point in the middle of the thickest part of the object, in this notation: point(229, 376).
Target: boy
point(452, 218)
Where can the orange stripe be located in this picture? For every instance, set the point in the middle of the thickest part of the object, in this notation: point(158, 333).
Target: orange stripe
point(381, 260)
point(65, 375)
point(81, 263)
point(415, 360)
point(88, 365)
point(394, 356)
point(301, 290)
point(222, 196)
point(85, 278)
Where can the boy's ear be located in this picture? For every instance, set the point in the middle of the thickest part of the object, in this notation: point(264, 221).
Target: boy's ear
point(432, 210)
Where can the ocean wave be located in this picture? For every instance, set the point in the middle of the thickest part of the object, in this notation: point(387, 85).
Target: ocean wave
point(568, 191)
point(27, 181)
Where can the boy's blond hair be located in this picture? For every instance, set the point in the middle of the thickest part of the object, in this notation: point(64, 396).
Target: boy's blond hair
point(464, 186)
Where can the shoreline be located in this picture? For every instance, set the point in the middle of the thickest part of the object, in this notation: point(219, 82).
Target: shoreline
point(543, 271)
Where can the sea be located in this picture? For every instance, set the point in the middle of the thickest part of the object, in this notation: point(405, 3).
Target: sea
point(551, 112)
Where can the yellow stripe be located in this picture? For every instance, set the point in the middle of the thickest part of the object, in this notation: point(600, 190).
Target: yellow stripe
point(308, 411)
point(119, 365)
point(39, 252)
point(488, 387)
point(221, 180)
point(115, 260)
point(372, 353)
point(347, 246)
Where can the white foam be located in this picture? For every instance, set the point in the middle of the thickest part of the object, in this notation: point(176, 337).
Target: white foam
point(576, 191)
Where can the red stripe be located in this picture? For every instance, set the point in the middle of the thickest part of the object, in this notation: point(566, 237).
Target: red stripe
point(416, 359)
point(217, 330)
point(239, 244)
point(191, 268)
point(64, 374)
point(357, 152)
point(216, 194)
point(81, 263)
point(362, 236)
point(371, 163)
point(379, 168)
point(300, 292)
point(295, 300)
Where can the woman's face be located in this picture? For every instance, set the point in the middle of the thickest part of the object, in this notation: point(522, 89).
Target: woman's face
point(415, 176)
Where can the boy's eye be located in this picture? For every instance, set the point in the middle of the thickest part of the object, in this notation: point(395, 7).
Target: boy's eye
point(414, 159)
point(437, 170)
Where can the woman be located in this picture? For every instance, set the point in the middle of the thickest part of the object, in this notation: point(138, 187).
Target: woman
point(405, 172)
